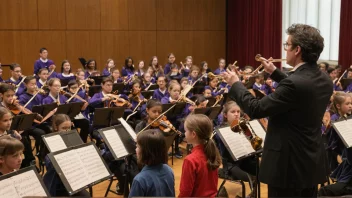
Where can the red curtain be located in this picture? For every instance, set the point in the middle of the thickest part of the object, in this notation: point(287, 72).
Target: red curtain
point(253, 27)
point(345, 45)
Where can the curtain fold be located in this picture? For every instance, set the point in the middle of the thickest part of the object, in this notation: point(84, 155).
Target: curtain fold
point(253, 27)
point(345, 44)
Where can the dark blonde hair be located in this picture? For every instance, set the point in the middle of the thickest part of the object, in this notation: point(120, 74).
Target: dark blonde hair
point(9, 145)
point(203, 127)
point(338, 98)
point(3, 111)
point(172, 86)
point(152, 146)
point(227, 107)
point(52, 80)
point(59, 119)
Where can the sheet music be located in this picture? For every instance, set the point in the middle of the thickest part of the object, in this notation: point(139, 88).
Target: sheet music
point(344, 129)
point(237, 143)
point(55, 143)
point(128, 128)
point(73, 169)
point(258, 129)
point(92, 162)
point(115, 142)
point(8, 189)
point(28, 184)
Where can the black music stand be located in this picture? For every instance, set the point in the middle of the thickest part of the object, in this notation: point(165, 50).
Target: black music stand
point(104, 117)
point(62, 175)
point(44, 109)
point(177, 110)
point(83, 62)
point(23, 122)
point(147, 94)
point(211, 112)
point(94, 89)
point(119, 87)
point(153, 87)
point(70, 109)
point(70, 138)
point(211, 101)
point(25, 170)
point(259, 94)
point(64, 82)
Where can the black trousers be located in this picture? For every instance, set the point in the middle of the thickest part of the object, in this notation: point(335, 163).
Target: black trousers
point(336, 189)
point(292, 192)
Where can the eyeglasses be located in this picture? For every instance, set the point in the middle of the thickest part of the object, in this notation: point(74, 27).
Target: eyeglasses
point(286, 45)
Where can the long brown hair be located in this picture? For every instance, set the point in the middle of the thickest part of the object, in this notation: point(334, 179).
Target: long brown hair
point(152, 146)
point(338, 98)
point(59, 119)
point(203, 127)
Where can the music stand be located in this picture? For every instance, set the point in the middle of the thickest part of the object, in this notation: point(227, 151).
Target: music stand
point(119, 87)
point(259, 93)
point(153, 87)
point(23, 122)
point(70, 109)
point(94, 89)
point(69, 138)
point(76, 171)
point(44, 109)
point(97, 79)
point(83, 62)
point(211, 101)
point(147, 94)
point(177, 110)
point(211, 112)
point(25, 182)
point(64, 82)
point(107, 116)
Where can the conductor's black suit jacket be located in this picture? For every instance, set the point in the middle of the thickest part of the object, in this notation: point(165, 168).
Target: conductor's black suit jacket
point(293, 150)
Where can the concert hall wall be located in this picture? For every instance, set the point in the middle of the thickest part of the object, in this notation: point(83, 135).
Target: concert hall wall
point(103, 29)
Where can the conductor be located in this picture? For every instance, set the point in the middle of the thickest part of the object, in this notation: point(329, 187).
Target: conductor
point(292, 161)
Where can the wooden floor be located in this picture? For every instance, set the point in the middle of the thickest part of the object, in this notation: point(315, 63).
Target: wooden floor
point(233, 188)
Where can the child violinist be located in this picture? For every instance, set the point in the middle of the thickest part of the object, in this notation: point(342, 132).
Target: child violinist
point(146, 80)
point(11, 154)
point(200, 169)
point(333, 76)
point(137, 99)
point(54, 85)
point(140, 72)
point(128, 68)
point(171, 60)
point(174, 73)
point(194, 74)
point(116, 76)
point(110, 64)
point(156, 179)
point(342, 104)
point(213, 86)
point(16, 78)
point(91, 68)
point(153, 109)
point(66, 73)
point(158, 70)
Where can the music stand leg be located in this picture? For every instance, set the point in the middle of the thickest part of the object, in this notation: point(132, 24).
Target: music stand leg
point(126, 190)
point(91, 191)
point(257, 176)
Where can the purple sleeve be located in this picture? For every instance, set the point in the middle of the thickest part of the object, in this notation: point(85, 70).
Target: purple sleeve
point(124, 72)
point(165, 100)
point(37, 67)
point(95, 101)
point(48, 100)
point(167, 69)
point(106, 72)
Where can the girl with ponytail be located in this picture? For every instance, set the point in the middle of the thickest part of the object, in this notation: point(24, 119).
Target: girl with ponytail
point(200, 169)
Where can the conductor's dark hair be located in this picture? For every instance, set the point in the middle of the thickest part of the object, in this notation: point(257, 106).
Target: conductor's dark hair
point(309, 40)
point(152, 146)
point(41, 50)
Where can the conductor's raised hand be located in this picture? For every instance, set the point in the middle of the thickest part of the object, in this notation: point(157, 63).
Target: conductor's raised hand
point(269, 67)
point(230, 77)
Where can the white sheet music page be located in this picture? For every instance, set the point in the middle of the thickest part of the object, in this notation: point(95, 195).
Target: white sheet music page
point(8, 189)
point(344, 129)
point(116, 144)
point(73, 169)
point(238, 143)
point(258, 129)
point(55, 143)
point(128, 128)
point(93, 163)
point(28, 184)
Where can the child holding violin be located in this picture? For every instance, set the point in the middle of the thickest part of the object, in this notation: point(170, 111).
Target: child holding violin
point(342, 104)
point(213, 86)
point(43, 75)
point(16, 78)
point(174, 73)
point(6, 116)
point(54, 95)
point(185, 68)
point(116, 76)
point(230, 113)
point(110, 64)
point(140, 71)
point(137, 99)
point(146, 81)
point(157, 69)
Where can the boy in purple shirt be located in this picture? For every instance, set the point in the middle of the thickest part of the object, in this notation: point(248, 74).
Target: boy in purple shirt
point(16, 78)
point(44, 62)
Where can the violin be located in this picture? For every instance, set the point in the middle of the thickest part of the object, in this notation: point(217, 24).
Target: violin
point(241, 126)
point(16, 109)
point(117, 101)
point(165, 125)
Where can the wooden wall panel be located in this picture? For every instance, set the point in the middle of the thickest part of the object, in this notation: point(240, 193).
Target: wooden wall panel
point(84, 44)
point(142, 14)
point(10, 50)
point(142, 45)
point(52, 14)
point(115, 45)
point(114, 15)
point(208, 46)
point(83, 14)
point(28, 14)
point(169, 14)
point(9, 14)
point(178, 42)
point(32, 41)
